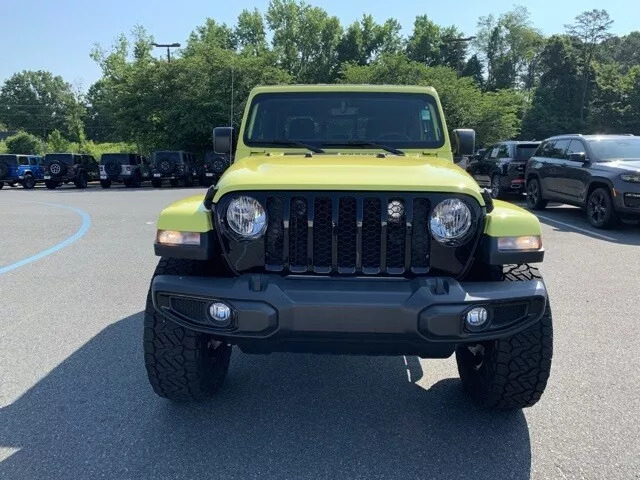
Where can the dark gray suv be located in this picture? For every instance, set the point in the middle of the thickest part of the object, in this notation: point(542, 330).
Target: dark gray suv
point(600, 173)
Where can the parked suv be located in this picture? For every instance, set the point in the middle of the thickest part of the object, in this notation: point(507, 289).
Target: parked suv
point(343, 226)
point(501, 167)
point(213, 168)
point(128, 168)
point(175, 166)
point(69, 167)
point(24, 169)
point(600, 173)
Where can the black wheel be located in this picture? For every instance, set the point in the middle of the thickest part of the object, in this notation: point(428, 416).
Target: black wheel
point(156, 183)
point(1, 185)
point(534, 195)
point(51, 185)
point(82, 181)
point(28, 182)
point(512, 372)
point(174, 182)
point(182, 364)
point(137, 180)
point(4, 169)
point(496, 189)
point(600, 210)
point(105, 183)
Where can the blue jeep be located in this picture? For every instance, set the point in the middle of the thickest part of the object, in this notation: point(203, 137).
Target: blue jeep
point(24, 169)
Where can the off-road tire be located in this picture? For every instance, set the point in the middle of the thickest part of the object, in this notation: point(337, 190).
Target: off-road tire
point(534, 195)
point(607, 218)
point(4, 169)
point(182, 364)
point(174, 182)
point(105, 183)
point(156, 183)
point(512, 372)
point(28, 182)
point(82, 181)
point(1, 185)
point(51, 185)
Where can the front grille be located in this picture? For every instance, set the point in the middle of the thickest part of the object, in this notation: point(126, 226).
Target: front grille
point(347, 234)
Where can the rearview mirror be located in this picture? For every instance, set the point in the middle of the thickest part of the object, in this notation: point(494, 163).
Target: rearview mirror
point(578, 157)
point(463, 141)
point(224, 139)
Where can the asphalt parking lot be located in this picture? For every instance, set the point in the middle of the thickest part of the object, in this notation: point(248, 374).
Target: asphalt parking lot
point(76, 402)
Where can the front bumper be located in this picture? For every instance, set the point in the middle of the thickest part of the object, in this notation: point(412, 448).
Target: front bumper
point(422, 317)
point(627, 200)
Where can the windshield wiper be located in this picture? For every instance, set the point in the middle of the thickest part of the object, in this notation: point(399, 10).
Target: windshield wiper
point(294, 143)
point(366, 143)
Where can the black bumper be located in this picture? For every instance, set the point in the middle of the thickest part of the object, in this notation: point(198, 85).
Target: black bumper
point(349, 315)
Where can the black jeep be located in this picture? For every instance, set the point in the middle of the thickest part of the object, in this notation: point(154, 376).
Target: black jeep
point(128, 168)
point(501, 167)
point(174, 166)
point(214, 166)
point(62, 168)
point(600, 173)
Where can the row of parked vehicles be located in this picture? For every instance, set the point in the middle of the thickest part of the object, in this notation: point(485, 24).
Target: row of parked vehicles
point(56, 169)
point(599, 173)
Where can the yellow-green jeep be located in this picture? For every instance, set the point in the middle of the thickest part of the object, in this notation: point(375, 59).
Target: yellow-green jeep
point(343, 226)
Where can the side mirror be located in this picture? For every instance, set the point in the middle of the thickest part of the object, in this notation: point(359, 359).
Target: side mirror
point(224, 139)
point(578, 157)
point(463, 142)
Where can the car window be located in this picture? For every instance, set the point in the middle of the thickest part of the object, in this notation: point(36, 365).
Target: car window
point(627, 148)
point(559, 149)
point(22, 161)
point(494, 152)
point(524, 151)
point(576, 146)
point(33, 161)
point(503, 151)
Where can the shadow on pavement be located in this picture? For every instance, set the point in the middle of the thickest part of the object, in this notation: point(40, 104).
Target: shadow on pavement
point(626, 233)
point(278, 416)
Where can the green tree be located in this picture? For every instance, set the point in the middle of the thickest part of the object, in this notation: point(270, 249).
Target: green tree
point(591, 28)
point(210, 35)
point(364, 40)
point(510, 46)
point(39, 102)
point(555, 107)
point(250, 32)
point(57, 143)
point(24, 143)
point(474, 69)
point(305, 39)
point(424, 43)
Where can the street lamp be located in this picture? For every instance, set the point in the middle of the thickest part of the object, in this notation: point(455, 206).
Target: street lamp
point(168, 46)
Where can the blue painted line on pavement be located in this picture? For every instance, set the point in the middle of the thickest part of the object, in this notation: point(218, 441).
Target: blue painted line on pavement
point(84, 228)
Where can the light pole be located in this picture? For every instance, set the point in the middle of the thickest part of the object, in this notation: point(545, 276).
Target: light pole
point(168, 46)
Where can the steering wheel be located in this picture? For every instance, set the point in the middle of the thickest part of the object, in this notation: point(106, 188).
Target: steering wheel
point(394, 136)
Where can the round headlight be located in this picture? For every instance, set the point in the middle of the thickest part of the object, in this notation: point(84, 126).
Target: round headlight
point(450, 221)
point(246, 217)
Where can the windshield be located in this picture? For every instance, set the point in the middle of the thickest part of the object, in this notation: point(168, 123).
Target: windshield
point(60, 157)
point(626, 148)
point(11, 160)
point(345, 119)
point(526, 150)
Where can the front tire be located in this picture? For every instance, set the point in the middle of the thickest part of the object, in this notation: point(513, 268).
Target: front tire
point(497, 191)
point(51, 185)
point(600, 210)
point(511, 372)
point(82, 182)
point(534, 195)
point(105, 183)
point(182, 364)
point(156, 183)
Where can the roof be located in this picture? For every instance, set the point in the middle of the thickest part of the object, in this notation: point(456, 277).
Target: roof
point(344, 88)
point(590, 137)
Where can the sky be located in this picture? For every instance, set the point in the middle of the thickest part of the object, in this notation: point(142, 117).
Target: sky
point(59, 35)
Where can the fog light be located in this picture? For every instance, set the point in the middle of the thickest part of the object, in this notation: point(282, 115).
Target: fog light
point(220, 313)
point(476, 317)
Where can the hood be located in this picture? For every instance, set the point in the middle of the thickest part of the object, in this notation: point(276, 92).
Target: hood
point(620, 166)
point(348, 173)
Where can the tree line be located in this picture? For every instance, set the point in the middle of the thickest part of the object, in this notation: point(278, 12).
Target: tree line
point(509, 81)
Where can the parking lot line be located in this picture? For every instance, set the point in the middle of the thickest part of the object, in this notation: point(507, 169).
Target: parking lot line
point(84, 228)
point(584, 230)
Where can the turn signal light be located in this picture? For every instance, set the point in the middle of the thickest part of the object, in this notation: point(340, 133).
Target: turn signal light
point(172, 237)
point(532, 242)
